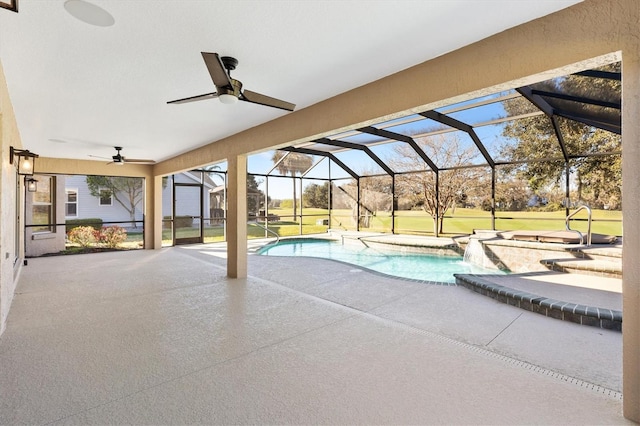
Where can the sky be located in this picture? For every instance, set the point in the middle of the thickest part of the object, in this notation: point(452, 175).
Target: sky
point(359, 161)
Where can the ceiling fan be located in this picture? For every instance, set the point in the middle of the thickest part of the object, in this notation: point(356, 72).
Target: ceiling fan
point(229, 90)
point(120, 160)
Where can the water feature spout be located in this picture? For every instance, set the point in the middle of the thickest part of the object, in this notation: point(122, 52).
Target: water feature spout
point(474, 252)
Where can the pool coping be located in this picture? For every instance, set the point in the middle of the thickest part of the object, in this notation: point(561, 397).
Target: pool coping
point(610, 319)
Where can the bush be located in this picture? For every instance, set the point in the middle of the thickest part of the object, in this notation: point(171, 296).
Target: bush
point(95, 223)
point(109, 236)
point(83, 235)
point(551, 206)
point(112, 236)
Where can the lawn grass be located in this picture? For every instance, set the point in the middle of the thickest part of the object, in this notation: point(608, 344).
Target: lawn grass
point(462, 221)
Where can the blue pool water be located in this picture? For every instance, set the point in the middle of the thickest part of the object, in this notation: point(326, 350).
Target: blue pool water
point(410, 265)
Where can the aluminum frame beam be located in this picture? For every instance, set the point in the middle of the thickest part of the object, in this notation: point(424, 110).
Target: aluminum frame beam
point(329, 155)
point(578, 99)
point(401, 138)
point(352, 145)
point(457, 124)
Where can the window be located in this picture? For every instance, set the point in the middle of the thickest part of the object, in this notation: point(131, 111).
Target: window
point(106, 198)
point(42, 211)
point(71, 204)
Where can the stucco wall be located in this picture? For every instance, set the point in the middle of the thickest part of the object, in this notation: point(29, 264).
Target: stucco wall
point(10, 261)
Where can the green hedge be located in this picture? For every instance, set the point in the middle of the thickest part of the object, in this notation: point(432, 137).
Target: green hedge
point(94, 222)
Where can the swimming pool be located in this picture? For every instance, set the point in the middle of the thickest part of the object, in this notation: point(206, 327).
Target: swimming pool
point(418, 266)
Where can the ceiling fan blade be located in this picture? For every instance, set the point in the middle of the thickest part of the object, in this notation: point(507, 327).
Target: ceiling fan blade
point(216, 69)
point(194, 98)
point(137, 161)
point(257, 98)
point(97, 156)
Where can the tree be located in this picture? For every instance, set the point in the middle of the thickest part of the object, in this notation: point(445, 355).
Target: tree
point(316, 196)
point(255, 197)
point(127, 191)
point(597, 178)
point(419, 188)
point(292, 163)
point(511, 194)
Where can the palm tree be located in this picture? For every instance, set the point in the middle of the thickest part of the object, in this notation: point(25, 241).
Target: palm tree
point(292, 163)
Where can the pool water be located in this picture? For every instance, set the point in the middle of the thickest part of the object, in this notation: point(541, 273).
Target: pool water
point(418, 266)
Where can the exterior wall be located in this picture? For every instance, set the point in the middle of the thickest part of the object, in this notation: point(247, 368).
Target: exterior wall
point(89, 206)
point(39, 243)
point(10, 258)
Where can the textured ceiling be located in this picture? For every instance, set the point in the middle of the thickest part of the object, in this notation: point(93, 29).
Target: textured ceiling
point(78, 90)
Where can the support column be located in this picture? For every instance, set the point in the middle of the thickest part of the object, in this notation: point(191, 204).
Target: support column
point(493, 198)
point(237, 217)
point(154, 211)
point(631, 239)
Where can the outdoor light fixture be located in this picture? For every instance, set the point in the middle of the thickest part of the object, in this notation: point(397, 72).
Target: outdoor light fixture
point(32, 184)
point(26, 160)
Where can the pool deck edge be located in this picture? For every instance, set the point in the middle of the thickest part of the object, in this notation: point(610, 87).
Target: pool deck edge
point(610, 319)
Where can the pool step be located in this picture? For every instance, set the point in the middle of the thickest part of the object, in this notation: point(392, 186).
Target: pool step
point(611, 253)
point(598, 261)
point(600, 268)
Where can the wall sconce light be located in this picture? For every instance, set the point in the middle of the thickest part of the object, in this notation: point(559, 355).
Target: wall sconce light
point(26, 160)
point(32, 184)
point(10, 5)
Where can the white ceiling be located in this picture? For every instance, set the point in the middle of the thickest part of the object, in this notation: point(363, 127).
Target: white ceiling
point(78, 90)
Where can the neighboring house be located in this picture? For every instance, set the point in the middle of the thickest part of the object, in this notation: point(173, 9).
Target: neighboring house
point(80, 204)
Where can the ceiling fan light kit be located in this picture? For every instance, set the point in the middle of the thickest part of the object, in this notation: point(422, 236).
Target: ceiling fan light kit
point(230, 95)
point(229, 90)
point(228, 99)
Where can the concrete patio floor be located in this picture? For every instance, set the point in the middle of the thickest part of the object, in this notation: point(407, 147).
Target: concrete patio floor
point(163, 337)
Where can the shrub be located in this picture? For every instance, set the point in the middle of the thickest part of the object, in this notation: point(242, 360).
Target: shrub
point(83, 235)
point(112, 236)
point(95, 223)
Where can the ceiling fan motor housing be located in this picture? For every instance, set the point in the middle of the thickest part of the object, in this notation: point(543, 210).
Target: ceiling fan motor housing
point(234, 89)
point(229, 63)
point(118, 158)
